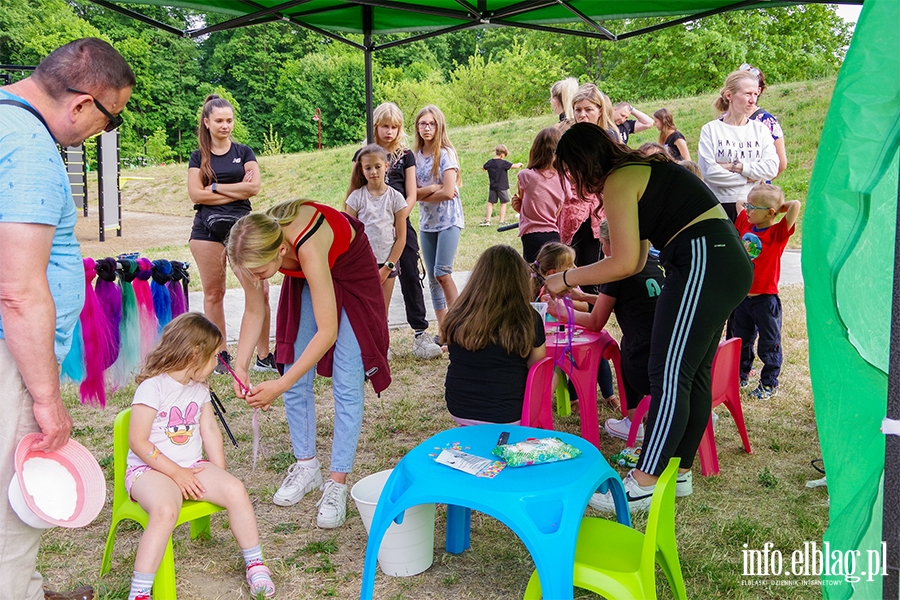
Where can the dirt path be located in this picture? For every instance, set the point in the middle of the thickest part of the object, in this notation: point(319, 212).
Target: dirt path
point(140, 231)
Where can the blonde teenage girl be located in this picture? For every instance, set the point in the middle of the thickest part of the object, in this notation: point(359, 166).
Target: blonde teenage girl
point(401, 176)
point(540, 195)
point(222, 177)
point(440, 209)
point(561, 94)
point(331, 316)
point(493, 336)
point(382, 209)
point(172, 423)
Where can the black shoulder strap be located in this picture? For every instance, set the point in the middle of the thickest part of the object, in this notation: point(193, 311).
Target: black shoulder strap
point(29, 109)
point(310, 232)
point(756, 113)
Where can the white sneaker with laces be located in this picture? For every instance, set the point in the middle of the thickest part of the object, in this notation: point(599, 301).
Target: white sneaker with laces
point(684, 485)
point(424, 346)
point(332, 505)
point(619, 428)
point(300, 480)
point(638, 497)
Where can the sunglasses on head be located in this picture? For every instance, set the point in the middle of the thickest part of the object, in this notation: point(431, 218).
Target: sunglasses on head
point(752, 70)
point(114, 120)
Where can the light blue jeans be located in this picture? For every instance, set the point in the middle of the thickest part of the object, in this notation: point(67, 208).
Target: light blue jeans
point(348, 381)
point(438, 252)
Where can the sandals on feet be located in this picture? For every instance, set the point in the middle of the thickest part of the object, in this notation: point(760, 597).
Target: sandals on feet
point(259, 578)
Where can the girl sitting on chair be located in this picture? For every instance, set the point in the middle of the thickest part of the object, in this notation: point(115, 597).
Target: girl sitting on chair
point(493, 337)
point(172, 422)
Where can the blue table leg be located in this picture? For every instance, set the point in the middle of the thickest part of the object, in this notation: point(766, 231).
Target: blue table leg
point(459, 519)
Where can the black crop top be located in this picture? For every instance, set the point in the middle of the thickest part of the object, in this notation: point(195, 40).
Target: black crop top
point(674, 197)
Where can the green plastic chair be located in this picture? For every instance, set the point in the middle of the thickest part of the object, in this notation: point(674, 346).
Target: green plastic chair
point(619, 562)
point(195, 511)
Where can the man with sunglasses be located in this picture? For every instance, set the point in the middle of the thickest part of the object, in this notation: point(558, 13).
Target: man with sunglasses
point(77, 91)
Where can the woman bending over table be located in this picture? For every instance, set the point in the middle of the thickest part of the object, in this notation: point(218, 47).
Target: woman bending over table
point(650, 200)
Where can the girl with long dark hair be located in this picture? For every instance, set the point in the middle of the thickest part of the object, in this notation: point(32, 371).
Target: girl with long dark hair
point(651, 200)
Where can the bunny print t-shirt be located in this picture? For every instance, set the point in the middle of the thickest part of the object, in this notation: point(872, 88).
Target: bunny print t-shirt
point(176, 428)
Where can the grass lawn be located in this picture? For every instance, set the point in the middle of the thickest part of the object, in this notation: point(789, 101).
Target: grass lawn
point(758, 498)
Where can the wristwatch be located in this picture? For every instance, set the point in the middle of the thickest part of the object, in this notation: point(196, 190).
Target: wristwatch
point(391, 266)
point(214, 187)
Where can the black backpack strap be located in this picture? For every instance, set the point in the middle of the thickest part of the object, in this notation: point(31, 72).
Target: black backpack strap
point(31, 110)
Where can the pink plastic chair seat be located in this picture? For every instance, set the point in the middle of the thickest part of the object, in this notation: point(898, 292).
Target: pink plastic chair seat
point(725, 379)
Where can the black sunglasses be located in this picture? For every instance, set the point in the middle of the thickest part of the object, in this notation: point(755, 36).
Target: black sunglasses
point(114, 120)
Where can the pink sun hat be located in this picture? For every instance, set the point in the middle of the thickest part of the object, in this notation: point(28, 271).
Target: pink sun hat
point(64, 488)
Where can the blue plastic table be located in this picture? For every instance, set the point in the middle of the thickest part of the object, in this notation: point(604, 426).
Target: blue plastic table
point(542, 504)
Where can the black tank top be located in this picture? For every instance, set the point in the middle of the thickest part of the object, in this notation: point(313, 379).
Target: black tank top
point(674, 197)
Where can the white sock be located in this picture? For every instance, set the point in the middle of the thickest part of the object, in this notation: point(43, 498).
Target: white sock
point(141, 583)
point(252, 556)
point(309, 463)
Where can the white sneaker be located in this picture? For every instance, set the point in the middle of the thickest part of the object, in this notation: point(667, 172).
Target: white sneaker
point(424, 346)
point(639, 497)
point(619, 428)
point(684, 485)
point(332, 505)
point(300, 480)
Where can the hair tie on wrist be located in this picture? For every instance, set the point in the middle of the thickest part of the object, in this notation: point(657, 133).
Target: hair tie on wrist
point(566, 283)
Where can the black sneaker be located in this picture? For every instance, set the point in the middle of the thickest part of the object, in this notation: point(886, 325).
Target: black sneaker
point(220, 368)
point(266, 364)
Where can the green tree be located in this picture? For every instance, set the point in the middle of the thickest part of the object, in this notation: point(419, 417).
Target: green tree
point(334, 84)
point(166, 67)
point(515, 84)
point(31, 30)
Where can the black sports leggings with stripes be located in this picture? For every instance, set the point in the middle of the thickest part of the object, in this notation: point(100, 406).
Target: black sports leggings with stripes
point(707, 274)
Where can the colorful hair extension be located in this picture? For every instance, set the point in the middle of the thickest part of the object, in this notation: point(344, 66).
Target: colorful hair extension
point(162, 300)
point(178, 288)
point(146, 310)
point(72, 367)
point(98, 341)
point(109, 297)
point(129, 359)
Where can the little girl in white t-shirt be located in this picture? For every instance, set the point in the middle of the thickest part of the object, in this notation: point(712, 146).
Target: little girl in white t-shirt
point(172, 422)
point(383, 211)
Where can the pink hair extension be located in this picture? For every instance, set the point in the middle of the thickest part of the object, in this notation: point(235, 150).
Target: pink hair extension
point(98, 341)
point(177, 287)
point(146, 310)
point(162, 300)
point(129, 328)
point(109, 297)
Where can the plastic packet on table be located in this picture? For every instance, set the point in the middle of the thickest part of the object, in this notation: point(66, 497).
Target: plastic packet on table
point(535, 451)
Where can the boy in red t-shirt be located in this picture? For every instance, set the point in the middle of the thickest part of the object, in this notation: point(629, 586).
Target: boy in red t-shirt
point(760, 311)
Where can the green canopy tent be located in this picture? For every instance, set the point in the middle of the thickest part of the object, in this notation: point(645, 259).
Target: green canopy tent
point(851, 221)
point(371, 18)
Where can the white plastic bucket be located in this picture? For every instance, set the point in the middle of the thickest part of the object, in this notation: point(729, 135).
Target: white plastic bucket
point(406, 549)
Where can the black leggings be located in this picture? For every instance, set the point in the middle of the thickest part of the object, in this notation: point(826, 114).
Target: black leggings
point(707, 274)
point(410, 284)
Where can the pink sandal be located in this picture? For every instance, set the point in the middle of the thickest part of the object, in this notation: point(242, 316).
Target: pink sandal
point(259, 578)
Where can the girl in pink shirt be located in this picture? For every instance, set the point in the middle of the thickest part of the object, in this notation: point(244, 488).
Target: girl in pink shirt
point(540, 195)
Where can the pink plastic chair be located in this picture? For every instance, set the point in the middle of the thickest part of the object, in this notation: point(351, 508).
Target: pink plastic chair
point(725, 390)
point(536, 406)
point(611, 352)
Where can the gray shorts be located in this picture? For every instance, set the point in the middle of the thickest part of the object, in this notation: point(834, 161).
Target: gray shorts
point(502, 195)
